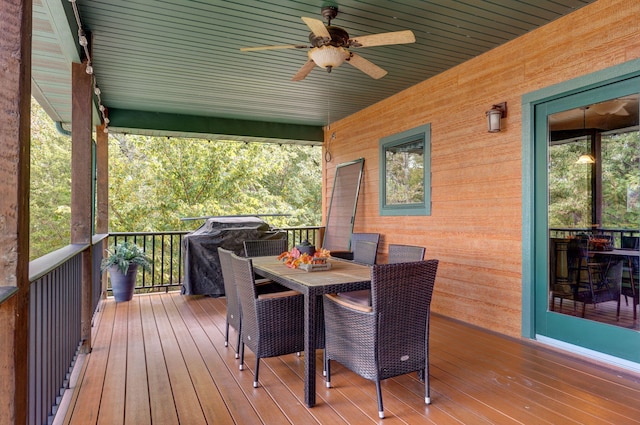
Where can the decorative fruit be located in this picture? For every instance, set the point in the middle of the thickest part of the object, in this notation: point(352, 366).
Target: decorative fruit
point(294, 258)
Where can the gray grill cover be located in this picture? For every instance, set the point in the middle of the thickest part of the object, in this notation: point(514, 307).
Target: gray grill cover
point(202, 274)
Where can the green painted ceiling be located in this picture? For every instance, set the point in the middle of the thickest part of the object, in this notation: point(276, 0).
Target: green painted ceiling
point(174, 67)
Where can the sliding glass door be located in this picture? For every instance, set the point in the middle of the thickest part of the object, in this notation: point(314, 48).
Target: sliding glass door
point(587, 221)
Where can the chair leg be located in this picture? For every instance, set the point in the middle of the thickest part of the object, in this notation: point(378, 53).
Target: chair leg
point(238, 345)
point(379, 392)
point(427, 387)
point(327, 368)
point(255, 377)
point(226, 335)
point(241, 355)
point(324, 362)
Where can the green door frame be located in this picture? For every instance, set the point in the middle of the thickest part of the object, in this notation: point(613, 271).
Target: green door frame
point(535, 242)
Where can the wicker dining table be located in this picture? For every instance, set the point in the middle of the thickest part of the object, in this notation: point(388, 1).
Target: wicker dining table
point(343, 276)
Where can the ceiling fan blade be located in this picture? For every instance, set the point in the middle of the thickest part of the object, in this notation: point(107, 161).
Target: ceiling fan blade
point(285, 46)
point(317, 27)
point(368, 67)
point(304, 71)
point(383, 39)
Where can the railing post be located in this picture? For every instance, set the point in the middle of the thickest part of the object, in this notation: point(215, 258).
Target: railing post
point(15, 98)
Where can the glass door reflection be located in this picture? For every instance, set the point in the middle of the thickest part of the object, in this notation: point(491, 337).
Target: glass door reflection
point(594, 211)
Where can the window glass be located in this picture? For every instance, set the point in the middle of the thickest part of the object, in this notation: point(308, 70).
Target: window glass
point(405, 173)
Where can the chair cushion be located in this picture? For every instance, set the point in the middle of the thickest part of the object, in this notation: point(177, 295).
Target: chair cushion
point(278, 295)
point(338, 298)
point(362, 297)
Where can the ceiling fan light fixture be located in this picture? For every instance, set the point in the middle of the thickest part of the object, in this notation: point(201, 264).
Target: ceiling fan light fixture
point(328, 56)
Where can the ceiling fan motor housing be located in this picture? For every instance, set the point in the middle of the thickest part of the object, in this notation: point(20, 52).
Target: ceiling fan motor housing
point(339, 38)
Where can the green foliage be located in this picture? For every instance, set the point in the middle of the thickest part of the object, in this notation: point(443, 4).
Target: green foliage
point(155, 182)
point(50, 196)
point(123, 255)
point(179, 178)
point(570, 183)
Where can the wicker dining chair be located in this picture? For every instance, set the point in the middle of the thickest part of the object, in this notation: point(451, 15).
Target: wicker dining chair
point(397, 254)
point(231, 297)
point(365, 252)
point(272, 324)
point(355, 237)
point(265, 247)
point(405, 253)
point(391, 337)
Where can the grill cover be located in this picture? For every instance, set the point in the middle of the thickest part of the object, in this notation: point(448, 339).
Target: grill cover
point(202, 274)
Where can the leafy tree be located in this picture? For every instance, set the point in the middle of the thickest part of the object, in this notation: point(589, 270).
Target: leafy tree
point(570, 183)
point(180, 178)
point(155, 182)
point(50, 191)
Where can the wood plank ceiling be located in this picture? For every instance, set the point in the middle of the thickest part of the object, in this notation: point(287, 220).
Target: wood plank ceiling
point(174, 67)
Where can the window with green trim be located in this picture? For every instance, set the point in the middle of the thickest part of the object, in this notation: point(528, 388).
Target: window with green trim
point(405, 172)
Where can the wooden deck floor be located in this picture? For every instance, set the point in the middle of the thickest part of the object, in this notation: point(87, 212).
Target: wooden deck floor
point(160, 359)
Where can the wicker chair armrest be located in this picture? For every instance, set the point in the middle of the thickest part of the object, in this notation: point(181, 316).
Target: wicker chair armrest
point(345, 303)
point(278, 295)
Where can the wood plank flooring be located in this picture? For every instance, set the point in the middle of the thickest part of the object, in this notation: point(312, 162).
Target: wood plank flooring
point(161, 359)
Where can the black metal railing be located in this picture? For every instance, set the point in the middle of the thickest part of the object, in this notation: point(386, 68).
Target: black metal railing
point(54, 328)
point(165, 250)
point(55, 314)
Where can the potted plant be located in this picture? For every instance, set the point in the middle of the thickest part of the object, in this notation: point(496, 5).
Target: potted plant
point(122, 262)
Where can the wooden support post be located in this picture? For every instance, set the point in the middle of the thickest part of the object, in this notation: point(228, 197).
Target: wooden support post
point(15, 115)
point(81, 196)
point(102, 191)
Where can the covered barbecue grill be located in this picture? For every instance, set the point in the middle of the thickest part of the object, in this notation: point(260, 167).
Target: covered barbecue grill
point(202, 275)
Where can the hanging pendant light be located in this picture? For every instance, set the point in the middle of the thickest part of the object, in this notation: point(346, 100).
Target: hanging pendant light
point(585, 158)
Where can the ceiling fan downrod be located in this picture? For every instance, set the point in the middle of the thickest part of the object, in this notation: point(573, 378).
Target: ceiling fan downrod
point(329, 12)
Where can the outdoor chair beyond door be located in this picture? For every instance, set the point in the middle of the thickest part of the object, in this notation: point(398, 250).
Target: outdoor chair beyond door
point(391, 337)
point(272, 324)
point(630, 274)
point(605, 289)
point(630, 287)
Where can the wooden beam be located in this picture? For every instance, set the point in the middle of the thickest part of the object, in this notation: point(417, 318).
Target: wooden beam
point(15, 116)
point(81, 187)
point(125, 119)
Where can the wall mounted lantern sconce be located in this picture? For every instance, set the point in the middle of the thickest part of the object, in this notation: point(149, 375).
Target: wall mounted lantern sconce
point(494, 115)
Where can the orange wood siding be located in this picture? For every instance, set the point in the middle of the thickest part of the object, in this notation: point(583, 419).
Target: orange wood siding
point(475, 229)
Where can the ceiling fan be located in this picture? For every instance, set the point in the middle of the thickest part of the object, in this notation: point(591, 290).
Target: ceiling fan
point(330, 46)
